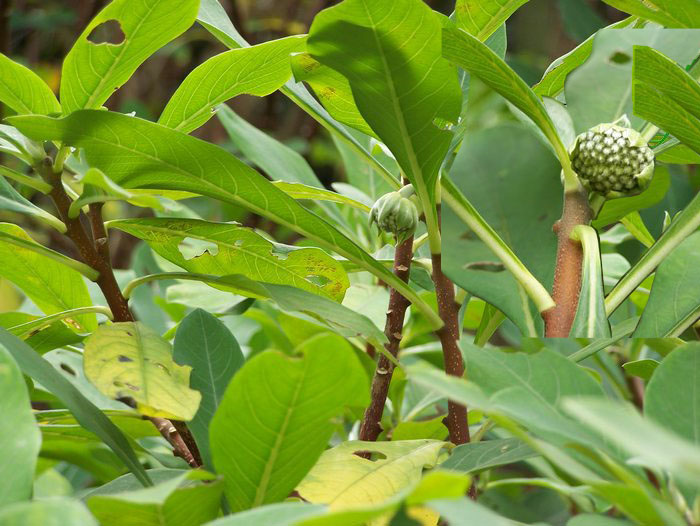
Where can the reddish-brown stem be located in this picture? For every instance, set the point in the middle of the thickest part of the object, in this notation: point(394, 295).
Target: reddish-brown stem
point(370, 428)
point(94, 251)
point(567, 274)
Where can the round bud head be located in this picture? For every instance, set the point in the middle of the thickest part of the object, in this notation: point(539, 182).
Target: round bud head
point(613, 160)
point(395, 214)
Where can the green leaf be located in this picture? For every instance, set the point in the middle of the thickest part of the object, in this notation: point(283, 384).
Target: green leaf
point(679, 154)
point(669, 13)
point(274, 431)
point(478, 456)
point(129, 360)
point(482, 18)
point(47, 512)
point(590, 320)
point(24, 91)
point(12, 201)
point(222, 248)
point(256, 70)
point(204, 343)
point(642, 368)
point(50, 282)
point(406, 92)
point(468, 53)
point(192, 498)
point(92, 72)
point(589, 519)
point(340, 477)
point(281, 514)
point(205, 169)
point(302, 191)
point(674, 301)
point(20, 438)
point(666, 95)
point(466, 512)
point(89, 416)
point(600, 90)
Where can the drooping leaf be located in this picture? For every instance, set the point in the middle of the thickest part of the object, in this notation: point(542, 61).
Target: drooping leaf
point(482, 18)
point(92, 70)
point(52, 285)
point(478, 456)
point(84, 411)
point(669, 13)
point(222, 248)
point(20, 438)
point(12, 200)
point(204, 343)
point(192, 498)
point(129, 360)
point(407, 93)
point(23, 90)
point(206, 170)
point(302, 191)
point(47, 512)
point(255, 70)
point(276, 447)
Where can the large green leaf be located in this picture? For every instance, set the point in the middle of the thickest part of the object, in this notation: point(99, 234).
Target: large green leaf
point(510, 177)
point(273, 431)
point(171, 160)
point(192, 498)
point(47, 512)
point(674, 301)
point(20, 438)
point(205, 343)
point(222, 248)
point(600, 90)
point(23, 90)
point(89, 416)
point(390, 54)
point(52, 285)
point(256, 70)
point(478, 456)
point(669, 13)
point(483, 17)
point(91, 72)
point(129, 360)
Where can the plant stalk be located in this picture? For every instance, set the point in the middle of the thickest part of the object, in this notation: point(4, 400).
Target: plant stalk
point(569, 267)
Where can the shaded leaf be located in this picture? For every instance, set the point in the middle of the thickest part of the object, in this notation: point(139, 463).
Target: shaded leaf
point(642, 368)
point(12, 200)
point(47, 512)
point(478, 456)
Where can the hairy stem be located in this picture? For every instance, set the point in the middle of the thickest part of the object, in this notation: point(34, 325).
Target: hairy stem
point(567, 274)
point(371, 422)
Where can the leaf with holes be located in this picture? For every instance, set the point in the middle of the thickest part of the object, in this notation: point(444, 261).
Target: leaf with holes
point(221, 248)
point(129, 360)
point(115, 43)
point(24, 91)
point(276, 447)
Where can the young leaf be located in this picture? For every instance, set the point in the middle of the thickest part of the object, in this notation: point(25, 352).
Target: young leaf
point(302, 191)
point(273, 430)
point(129, 360)
point(669, 13)
point(406, 92)
point(175, 161)
point(89, 416)
point(47, 512)
point(13, 201)
point(485, 455)
point(590, 320)
point(204, 343)
point(92, 70)
point(483, 18)
point(45, 276)
point(256, 70)
point(24, 91)
point(221, 249)
point(674, 301)
point(20, 438)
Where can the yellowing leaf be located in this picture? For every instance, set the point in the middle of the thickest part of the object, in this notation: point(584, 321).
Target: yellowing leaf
point(130, 360)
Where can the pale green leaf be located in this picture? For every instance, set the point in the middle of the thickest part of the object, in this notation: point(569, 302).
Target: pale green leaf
point(129, 360)
point(466, 512)
point(47, 512)
point(302, 191)
point(20, 438)
point(669, 13)
point(24, 91)
point(481, 18)
point(488, 454)
point(276, 447)
point(679, 154)
point(11, 200)
point(642, 368)
point(281, 514)
point(256, 70)
point(91, 72)
point(588, 519)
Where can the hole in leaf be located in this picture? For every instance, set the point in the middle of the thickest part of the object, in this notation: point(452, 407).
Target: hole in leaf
point(279, 252)
point(373, 455)
point(193, 248)
point(619, 57)
point(123, 358)
point(133, 387)
point(487, 266)
point(108, 32)
point(68, 369)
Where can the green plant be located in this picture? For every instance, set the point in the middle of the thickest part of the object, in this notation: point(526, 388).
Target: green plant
point(262, 366)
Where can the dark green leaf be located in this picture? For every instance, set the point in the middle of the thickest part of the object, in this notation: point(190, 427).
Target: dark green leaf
point(489, 454)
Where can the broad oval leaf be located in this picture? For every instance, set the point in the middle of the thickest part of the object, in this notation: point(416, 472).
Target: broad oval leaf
point(92, 71)
point(222, 248)
point(255, 70)
point(20, 438)
point(129, 360)
point(275, 419)
point(47, 512)
point(24, 91)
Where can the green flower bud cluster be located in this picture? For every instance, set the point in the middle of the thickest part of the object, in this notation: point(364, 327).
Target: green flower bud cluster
point(395, 213)
point(613, 160)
